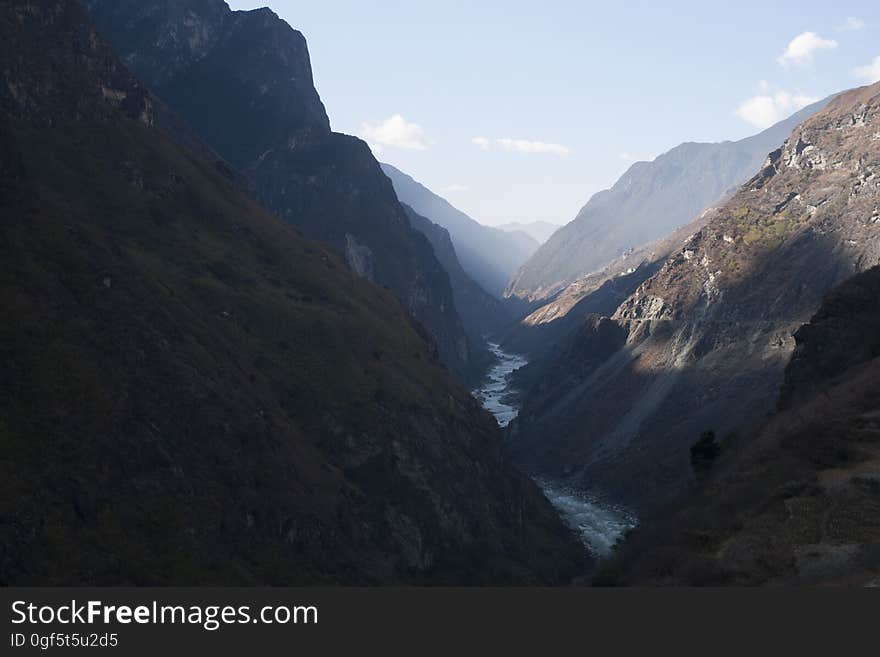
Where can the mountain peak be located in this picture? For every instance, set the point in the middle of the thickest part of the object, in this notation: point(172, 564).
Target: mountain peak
point(178, 48)
point(243, 81)
point(649, 201)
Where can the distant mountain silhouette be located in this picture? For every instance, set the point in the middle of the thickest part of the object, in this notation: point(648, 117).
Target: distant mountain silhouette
point(489, 255)
point(481, 313)
point(540, 231)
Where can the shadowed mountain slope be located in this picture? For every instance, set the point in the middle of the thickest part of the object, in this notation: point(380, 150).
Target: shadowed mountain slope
point(798, 500)
point(193, 393)
point(243, 81)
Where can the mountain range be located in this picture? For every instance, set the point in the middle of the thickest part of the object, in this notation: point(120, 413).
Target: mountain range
point(703, 342)
point(649, 201)
point(258, 108)
point(489, 255)
point(195, 393)
point(237, 350)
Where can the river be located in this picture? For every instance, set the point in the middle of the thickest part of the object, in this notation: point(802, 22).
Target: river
point(597, 523)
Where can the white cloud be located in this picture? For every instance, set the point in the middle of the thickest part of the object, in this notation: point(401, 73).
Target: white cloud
point(764, 110)
point(522, 146)
point(870, 73)
point(526, 146)
point(803, 48)
point(396, 132)
point(851, 24)
point(453, 188)
point(482, 142)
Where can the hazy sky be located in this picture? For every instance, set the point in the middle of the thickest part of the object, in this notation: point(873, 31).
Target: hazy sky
point(518, 111)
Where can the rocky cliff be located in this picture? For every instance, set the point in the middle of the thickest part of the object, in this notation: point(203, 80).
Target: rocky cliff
point(708, 335)
point(798, 500)
point(648, 202)
point(193, 393)
point(243, 81)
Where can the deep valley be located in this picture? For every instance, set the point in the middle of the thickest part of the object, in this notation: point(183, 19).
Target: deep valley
point(239, 346)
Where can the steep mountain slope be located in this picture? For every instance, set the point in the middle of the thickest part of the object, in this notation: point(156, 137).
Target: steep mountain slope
point(544, 329)
point(648, 202)
point(481, 313)
point(489, 255)
point(243, 80)
point(704, 341)
point(798, 502)
point(540, 231)
point(193, 393)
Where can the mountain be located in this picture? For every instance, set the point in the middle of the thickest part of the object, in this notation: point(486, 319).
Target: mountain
point(648, 202)
point(540, 231)
point(481, 313)
point(191, 391)
point(542, 329)
point(243, 81)
point(489, 255)
point(798, 500)
point(702, 343)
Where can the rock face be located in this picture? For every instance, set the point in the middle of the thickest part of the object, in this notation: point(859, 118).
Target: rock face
point(36, 93)
point(798, 500)
point(481, 313)
point(243, 81)
point(489, 255)
point(651, 200)
point(192, 392)
point(709, 335)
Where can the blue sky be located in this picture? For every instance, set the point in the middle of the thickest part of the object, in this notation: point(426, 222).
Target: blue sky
point(519, 111)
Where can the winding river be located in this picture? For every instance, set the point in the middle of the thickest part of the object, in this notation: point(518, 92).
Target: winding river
point(598, 524)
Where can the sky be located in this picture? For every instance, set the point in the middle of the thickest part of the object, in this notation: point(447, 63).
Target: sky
point(520, 111)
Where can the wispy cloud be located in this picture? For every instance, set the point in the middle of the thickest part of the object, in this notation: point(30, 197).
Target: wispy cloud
point(801, 50)
point(453, 188)
point(851, 24)
point(768, 108)
point(521, 145)
point(870, 73)
point(481, 142)
point(528, 146)
point(396, 132)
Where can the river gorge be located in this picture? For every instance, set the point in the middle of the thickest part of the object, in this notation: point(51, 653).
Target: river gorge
point(597, 523)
